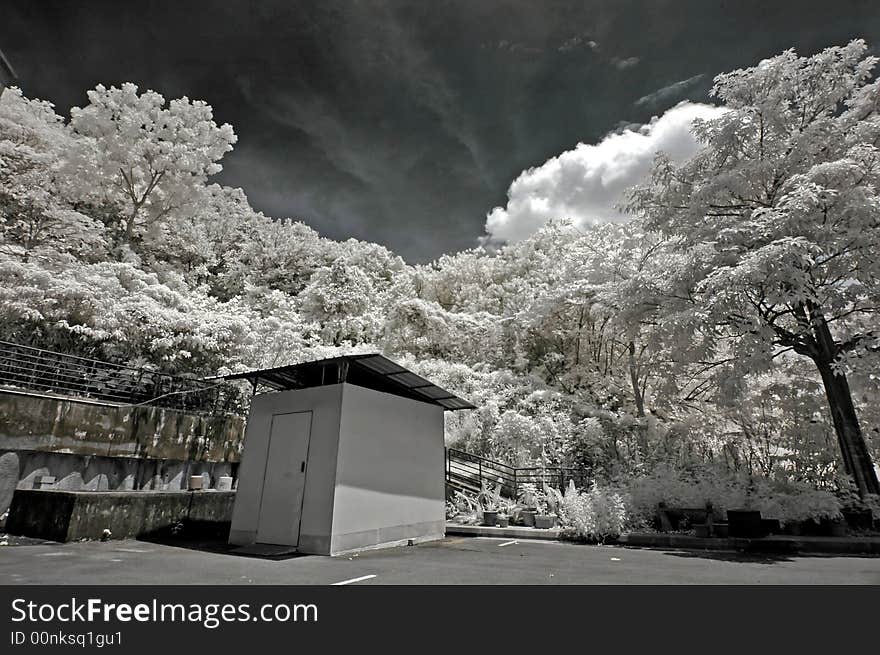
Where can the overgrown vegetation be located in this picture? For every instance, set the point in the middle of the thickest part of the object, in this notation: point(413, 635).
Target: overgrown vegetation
point(728, 332)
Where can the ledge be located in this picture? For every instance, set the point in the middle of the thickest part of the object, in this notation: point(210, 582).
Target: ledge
point(854, 545)
point(782, 544)
point(512, 532)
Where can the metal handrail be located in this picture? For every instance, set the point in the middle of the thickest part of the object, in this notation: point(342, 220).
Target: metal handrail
point(30, 368)
point(473, 471)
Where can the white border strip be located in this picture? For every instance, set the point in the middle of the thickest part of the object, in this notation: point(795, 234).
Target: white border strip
point(363, 577)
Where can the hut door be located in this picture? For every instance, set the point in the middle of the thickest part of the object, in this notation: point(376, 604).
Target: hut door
point(284, 483)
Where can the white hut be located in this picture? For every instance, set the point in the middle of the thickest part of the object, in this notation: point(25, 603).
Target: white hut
point(346, 453)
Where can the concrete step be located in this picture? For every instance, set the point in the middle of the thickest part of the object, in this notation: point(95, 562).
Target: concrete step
point(512, 532)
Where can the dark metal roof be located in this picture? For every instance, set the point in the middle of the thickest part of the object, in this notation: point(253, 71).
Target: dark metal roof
point(372, 371)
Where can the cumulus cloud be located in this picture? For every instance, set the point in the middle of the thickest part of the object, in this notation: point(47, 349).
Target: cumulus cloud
point(585, 184)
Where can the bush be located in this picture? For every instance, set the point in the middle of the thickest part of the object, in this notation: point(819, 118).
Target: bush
point(791, 502)
point(594, 514)
point(784, 500)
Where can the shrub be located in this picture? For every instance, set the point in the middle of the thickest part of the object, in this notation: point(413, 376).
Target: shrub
point(462, 505)
point(784, 500)
point(594, 514)
point(790, 502)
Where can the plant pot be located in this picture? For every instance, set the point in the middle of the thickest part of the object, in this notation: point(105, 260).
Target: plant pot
point(528, 517)
point(503, 521)
point(771, 526)
point(793, 528)
point(196, 482)
point(544, 521)
point(811, 528)
point(839, 529)
point(744, 523)
point(490, 518)
point(833, 527)
point(859, 519)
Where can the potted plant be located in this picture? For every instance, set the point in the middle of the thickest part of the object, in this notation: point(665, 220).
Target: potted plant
point(464, 509)
point(528, 498)
point(546, 517)
point(549, 501)
point(490, 501)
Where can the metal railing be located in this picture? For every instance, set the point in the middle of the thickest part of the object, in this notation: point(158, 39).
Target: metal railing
point(468, 471)
point(35, 369)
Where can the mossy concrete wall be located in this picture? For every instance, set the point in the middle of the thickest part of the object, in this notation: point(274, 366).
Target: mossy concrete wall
point(64, 425)
point(74, 515)
point(98, 446)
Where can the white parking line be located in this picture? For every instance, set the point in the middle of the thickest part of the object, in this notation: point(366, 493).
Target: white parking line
point(363, 577)
point(507, 543)
point(524, 542)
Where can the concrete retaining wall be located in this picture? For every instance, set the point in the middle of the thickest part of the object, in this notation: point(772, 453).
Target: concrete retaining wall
point(97, 473)
point(65, 425)
point(96, 446)
point(75, 515)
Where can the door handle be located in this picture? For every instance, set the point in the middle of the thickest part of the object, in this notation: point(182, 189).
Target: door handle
point(302, 468)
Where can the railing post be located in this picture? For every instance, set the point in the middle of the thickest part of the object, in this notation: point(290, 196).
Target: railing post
point(480, 464)
point(33, 380)
point(135, 388)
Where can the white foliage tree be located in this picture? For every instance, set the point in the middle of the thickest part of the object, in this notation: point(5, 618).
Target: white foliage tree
point(777, 222)
point(143, 156)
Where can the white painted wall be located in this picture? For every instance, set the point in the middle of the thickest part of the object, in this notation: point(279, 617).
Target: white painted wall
point(317, 511)
point(389, 475)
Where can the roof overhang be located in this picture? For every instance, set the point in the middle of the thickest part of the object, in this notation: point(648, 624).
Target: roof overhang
point(372, 371)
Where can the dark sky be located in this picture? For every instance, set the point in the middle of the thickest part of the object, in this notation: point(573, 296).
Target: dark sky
point(405, 122)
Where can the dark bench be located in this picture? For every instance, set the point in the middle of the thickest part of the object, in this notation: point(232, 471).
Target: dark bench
point(702, 519)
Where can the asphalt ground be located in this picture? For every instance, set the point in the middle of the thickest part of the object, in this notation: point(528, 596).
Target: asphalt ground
point(454, 560)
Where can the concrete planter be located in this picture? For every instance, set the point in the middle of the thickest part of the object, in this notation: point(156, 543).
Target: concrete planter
point(544, 521)
point(793, 528)
point(528, 517)
point(834, 527)
point(74, 515)
point(745, 523)
point(859, 519)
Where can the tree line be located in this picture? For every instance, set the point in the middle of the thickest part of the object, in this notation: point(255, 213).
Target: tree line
point(733, 319)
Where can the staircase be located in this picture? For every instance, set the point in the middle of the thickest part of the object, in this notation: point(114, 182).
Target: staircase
point(467, 472)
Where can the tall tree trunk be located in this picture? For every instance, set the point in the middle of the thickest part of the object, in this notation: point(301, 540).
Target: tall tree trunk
point(856, 458)
point(638, 395)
